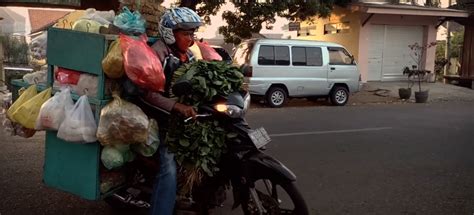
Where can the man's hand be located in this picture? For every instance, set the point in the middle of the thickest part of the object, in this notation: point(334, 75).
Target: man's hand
point(185, 110)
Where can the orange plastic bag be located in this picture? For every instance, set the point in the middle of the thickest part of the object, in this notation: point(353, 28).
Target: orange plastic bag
point(207, 52)
point(141, 64)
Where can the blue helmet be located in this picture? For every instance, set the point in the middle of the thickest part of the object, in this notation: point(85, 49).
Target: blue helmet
point(178, 18)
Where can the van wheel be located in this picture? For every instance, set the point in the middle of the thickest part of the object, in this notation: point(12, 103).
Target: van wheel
point(276, 97)
point(339, 96)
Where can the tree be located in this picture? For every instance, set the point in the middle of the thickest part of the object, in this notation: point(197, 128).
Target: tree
point(251, 14)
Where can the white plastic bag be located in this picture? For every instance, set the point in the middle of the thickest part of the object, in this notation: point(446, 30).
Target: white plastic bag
point(79, 124)
point(102, 17)
point(87, 85)
point(52, 112)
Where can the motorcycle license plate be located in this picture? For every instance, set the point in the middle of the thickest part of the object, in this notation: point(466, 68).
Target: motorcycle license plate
point(259, 137)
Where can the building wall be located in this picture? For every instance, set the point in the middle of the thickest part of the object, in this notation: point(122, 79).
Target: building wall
point(429, 24)
point(339, 15)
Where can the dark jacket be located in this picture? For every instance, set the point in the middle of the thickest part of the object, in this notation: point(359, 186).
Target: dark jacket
point(158, 105)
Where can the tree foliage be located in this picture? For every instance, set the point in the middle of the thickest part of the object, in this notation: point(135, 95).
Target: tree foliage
point(251, 14)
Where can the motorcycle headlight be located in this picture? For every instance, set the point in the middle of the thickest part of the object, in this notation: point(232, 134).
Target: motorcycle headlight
point(231, 110)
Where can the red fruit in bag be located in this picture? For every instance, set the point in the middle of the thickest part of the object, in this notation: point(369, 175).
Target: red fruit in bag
point(67, 76)
point(141, 63)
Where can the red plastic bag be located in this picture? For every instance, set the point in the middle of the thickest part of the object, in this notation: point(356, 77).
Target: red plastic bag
point(141, 63)
point(67, 76)
point(207, 52)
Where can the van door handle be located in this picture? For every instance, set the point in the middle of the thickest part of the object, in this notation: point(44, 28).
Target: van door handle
point(332, 68)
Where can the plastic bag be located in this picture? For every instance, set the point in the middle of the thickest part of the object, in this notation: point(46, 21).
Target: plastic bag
point(38, 46)
point(129, 22)
point(87, 85)
point(141, 64)
point(153, 141)
point(36, 77)
point(112, 64)
point(102, 17)
point(116, 156)
point(79, 124)
point(122, 122)
point(25, 96)
point(67, 76)
point(27, 113)
point(196, 51)
point(86, 25)
point(53, 111)
point(207, 52)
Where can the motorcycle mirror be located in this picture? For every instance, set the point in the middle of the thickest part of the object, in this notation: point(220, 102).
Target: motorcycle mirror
point(182, 88)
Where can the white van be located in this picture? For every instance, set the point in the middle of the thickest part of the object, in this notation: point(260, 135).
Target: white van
point(278, 69)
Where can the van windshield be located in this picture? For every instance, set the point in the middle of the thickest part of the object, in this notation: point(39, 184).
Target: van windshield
point(242, 53)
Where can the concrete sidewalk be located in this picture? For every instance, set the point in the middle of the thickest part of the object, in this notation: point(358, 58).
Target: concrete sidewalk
point(387, 92)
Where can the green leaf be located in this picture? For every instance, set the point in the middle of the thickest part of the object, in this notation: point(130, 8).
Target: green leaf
point(184, 142)
point(232, 135)
point(206, 169)
point(205, 150)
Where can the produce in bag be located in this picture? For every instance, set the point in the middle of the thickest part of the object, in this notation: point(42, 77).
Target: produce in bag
point(24, 96)
point(132, 23)
point(67, 76)
point(112, 64)
point(87, 85)
point(196, 51)
point(141, 64)
point(153, 141)
point(122, 122)
point(53, 111)
point(86, 25)
point(207, 52)
point(116, 156)
point(27, 113)
point(79, 125)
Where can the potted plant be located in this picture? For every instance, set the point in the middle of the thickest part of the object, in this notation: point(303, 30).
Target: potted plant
point(405, 93)
point(418, 53)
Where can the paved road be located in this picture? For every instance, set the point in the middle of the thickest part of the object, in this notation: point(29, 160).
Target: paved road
point(375, 159)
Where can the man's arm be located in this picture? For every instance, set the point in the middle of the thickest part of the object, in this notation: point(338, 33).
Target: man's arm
point(167, 104)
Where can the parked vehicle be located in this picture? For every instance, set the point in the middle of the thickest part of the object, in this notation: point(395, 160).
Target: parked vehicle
point(259, 182)
point(278, 69)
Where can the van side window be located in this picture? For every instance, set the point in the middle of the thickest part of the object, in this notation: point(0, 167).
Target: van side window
point(307, 56)
point(339, 56)
point(274, 55)
point(266, 56)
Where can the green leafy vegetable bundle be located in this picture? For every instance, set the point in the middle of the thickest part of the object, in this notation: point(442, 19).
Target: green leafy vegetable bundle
point(198, 145)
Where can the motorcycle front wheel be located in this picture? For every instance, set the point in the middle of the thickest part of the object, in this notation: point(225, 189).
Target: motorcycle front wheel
point(274, 199)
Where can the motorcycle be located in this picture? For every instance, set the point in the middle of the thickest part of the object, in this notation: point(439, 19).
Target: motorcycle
point(257, 180)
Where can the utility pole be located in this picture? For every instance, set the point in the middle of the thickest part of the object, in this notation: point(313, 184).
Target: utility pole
point(447, 52)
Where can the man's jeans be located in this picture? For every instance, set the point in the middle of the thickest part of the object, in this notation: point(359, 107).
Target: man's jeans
point(164, 188)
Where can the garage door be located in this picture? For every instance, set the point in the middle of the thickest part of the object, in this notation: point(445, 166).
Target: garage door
point(389, 52)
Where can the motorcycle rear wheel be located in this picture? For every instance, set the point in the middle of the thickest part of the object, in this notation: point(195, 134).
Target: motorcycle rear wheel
point(271, 202)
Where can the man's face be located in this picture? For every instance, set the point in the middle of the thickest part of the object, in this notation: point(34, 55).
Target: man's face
point(184, 39)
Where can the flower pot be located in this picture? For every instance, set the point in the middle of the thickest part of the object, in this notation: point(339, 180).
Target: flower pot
point(404, 93)
point(421, 96)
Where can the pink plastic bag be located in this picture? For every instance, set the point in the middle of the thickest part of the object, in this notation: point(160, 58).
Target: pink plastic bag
point(207, 52)
point(141, 64)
